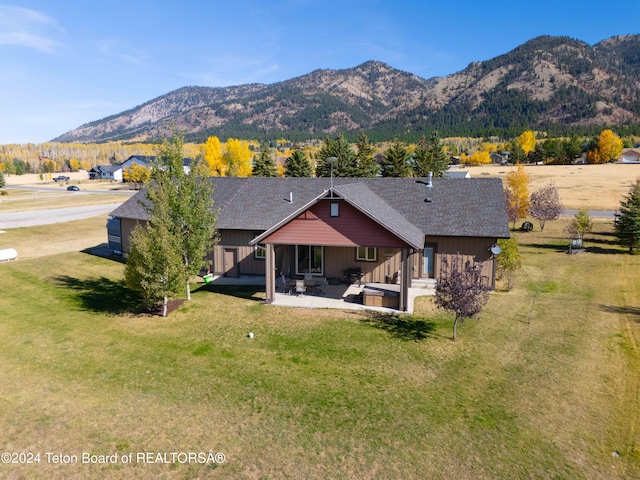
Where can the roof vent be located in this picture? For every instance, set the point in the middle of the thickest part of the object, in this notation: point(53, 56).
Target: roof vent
point(290, 197)
point(430, 180)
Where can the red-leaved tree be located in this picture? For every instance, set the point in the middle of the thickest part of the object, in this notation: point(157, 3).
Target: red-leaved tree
point(545, 204)
point(460, 289)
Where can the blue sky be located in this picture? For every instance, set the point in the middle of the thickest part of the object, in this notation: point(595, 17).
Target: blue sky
point(68, 62)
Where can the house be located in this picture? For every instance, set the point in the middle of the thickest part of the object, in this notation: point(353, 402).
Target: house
point(629, 155)
point(106, 172)
point(501, 158)
point(386, 230)
point(147, 160)
point(457, 174)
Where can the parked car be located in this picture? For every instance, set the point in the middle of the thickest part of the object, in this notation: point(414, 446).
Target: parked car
point(61, 178)
point(73, 188)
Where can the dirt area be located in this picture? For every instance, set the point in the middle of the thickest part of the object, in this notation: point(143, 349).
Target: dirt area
point(594, 187)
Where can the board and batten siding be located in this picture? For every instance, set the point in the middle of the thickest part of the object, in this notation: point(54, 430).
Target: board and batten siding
point(238, 240)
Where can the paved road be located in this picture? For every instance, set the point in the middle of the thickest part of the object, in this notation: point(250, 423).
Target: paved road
point(55, 215)
point(592, 213)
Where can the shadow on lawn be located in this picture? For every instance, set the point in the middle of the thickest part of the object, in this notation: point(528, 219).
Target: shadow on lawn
point(247, 292)
point(102, 294)
point(625, 310)
point(402, 327)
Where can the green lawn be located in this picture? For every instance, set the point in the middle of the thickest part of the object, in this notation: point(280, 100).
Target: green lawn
point(544, 385)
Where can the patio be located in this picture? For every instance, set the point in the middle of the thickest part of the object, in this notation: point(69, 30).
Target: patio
point(343, 296)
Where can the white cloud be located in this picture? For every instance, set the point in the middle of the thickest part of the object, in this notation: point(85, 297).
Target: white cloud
point(117, 49)
point(27, 28)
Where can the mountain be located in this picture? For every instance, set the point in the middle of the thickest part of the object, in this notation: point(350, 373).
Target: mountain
point(554, 83)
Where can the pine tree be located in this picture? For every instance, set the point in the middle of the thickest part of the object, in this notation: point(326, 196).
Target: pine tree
point(396, 161)
point(367, 165)
point(263, 165)
point(627, 222)
point(298, 165)
point(430, 157)
point(338, 147)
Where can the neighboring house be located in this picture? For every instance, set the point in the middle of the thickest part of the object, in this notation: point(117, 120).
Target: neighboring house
point(500, 158)
point(386, 229)
point(457, 174)
point(106, 172)
point(147, 160)
point(629, 155)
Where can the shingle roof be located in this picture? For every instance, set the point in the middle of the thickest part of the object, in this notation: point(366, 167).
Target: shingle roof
point(471, 207)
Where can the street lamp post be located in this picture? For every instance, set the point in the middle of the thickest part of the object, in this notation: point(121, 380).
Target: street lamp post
point(332, 160)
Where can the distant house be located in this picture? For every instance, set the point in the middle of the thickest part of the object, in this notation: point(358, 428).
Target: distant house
point(629, 155)
point(380, 229)
point(500, 158)
point(457, 174)
point(147, 161)
point(106, 172)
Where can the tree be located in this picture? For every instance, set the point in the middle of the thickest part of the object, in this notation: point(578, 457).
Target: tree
point(215, 158)
point(154, 266)
point(181, 214)
point(366, 165)
point(137, 174)
point(238, 157)
point(430, 157)
point(509, 260)
point(609, 146)
point(580, 225)
point(396, 161)
point(527, 141)
point(298, 165)
point(478, 158)
point(572, 149)
point(338, 147)
point(517, 153)
point(2, 181)
point(460, 289)
point(518, 194)
point(263, 165)
point(545, 204)
point(627, 222)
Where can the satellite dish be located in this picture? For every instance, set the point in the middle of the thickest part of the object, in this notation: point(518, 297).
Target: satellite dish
point(496, 250)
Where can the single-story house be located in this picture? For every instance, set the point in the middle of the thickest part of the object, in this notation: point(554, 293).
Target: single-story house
point(629, 155)
point(385, 230)
point(147, 160)
point(457, 174)
point(106, 172)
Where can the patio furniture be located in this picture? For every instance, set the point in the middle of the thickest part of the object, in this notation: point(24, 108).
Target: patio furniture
point(351, 275)
point(299, 288)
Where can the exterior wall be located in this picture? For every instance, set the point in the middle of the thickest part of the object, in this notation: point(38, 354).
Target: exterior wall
point(351, 228)
point(126, 227)
point(474, 249)
point(238, 239)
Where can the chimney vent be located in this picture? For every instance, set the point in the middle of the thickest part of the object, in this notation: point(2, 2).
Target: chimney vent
point(430, 180)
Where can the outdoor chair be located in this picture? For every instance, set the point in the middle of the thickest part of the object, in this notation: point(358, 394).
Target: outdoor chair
point(300, 287)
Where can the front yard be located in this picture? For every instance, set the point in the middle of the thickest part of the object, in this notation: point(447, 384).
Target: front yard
point(545, 384)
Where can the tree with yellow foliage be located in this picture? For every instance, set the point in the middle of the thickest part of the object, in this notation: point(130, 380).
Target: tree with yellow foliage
point(238, 157)
point(214, 157)
point(527, 141)
point(137, 174)
point(477, 158)
point(517, 194)
point(74, 164)
point(609, 146)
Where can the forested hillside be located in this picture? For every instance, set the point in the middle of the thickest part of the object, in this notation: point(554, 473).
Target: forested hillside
point(555, 84)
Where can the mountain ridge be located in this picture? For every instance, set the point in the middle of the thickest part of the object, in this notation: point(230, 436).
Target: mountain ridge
point(547, 82)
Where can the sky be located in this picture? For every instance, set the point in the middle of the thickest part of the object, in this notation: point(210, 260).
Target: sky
point(64, 63)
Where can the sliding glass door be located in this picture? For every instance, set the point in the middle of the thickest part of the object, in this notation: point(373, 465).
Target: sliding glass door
point(309, 259)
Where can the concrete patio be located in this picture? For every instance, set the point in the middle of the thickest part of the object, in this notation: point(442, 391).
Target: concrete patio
point(341, 296)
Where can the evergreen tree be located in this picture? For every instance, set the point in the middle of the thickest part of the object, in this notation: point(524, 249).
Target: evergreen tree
point(264, 166)
point(298, 165)
point(430, 157)
point(627, 222)
point(367, 165)
point(338, 147)
point(2, 182)
point(396, 161)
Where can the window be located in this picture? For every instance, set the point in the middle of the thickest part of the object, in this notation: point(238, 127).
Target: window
point(335, 209)
point(260, 251)
point(310, 259)
point(366, 254)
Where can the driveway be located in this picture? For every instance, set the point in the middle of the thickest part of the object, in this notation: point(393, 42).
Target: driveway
point(55, 215)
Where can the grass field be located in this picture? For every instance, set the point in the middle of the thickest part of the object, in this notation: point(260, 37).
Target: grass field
point(546, 384)
point(594, 187)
